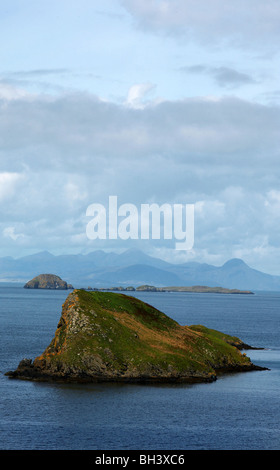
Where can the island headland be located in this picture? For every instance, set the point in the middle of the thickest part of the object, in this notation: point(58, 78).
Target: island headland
point(105, 336)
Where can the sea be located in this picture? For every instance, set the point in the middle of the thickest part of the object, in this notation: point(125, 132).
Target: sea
point(239, 411)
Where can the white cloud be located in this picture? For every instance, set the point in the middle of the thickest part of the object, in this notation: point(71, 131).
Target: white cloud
point(74, 193)
point(10, 232)
point(9, 92)
point(8, 184)
point(137, 93)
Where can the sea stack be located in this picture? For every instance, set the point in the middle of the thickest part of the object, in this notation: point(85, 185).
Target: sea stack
point(47, 281)
point(105, 336)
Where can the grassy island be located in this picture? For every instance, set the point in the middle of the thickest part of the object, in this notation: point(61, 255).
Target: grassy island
point(105, 336)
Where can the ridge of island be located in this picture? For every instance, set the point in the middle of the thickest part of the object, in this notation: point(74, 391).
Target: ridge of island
point(114, 337)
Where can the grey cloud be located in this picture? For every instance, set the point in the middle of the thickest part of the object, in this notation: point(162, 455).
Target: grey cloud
point(38, 72)
point(272, 97)
point(224, 76)
point(79, 128)
point(253, 23)
point(58, 80)
point(195, 142)
point(71, 151)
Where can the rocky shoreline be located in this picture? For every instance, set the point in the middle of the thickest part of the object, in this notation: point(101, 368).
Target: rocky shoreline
point(26, 370)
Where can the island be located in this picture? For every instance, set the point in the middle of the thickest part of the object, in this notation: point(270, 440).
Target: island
point(195, 289)
point(114, 337)
point(47, 281)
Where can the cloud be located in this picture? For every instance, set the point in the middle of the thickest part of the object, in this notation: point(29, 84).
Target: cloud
point(253, 23)
point(137, 93)
point(9, 232)
point(224, 76)
point(73, 192)
point(8, 184)
point(39, 72)
point(10, 92)
point(72, 132)
point(61, 154)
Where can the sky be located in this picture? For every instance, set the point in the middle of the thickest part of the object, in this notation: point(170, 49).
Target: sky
point(152, 101)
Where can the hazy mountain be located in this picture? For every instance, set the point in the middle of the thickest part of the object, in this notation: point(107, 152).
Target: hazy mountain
point(133, 267)
point(135, 275)
point(234, 274)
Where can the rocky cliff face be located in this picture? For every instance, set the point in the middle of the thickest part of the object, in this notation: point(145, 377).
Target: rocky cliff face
point(113, 337)
point(47, 281)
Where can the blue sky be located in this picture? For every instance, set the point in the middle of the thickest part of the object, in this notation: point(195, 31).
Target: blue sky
point(153, 101)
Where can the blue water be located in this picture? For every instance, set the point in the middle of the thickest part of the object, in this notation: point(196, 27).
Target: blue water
point(239, 411)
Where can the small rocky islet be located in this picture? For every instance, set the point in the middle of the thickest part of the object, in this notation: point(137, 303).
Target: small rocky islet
point(47, 281)
point(114, 337)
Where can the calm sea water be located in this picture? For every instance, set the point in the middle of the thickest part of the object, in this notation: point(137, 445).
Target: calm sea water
point(240, 411)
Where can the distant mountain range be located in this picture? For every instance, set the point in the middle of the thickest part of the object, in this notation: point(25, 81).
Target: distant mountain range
point(135, 268)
